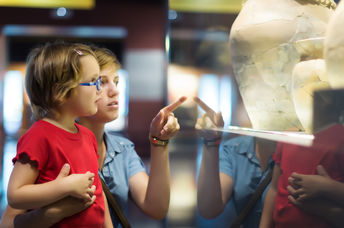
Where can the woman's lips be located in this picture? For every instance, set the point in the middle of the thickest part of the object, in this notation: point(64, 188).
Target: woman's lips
point(113, 104)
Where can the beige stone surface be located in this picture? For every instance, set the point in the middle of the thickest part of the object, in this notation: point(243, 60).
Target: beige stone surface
point(264, 54)
point(334, 48)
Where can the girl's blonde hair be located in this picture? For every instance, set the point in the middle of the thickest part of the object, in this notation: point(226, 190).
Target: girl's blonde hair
point(53, 71)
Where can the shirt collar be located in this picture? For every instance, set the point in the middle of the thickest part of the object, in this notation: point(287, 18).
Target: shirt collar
point(247, 148)
point(112, 145)
point(246, 145)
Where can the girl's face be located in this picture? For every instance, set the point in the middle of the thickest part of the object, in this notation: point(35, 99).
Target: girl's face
point(83, 100)
point(108, 102)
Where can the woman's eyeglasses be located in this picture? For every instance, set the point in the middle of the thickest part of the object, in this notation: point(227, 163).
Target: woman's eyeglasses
point(97, 83)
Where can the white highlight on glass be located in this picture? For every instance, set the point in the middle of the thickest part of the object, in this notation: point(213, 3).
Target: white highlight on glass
point(123, 102)
point(217, 94)
point(13, 102)
point(10, 149)
point(226, 99)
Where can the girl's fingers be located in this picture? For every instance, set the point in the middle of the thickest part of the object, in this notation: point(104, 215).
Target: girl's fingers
point(293, 200)
point(291, 190)
point(89, 203)
point(292, 182)
point(87, 197)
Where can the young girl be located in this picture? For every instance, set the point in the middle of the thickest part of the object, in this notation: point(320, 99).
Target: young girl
point(62, 82)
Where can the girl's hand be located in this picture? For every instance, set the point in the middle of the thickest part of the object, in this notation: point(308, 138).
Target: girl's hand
point(210, 119)
point(81, 185)
point(304, 187)
point(165, 125)
point(78, 185)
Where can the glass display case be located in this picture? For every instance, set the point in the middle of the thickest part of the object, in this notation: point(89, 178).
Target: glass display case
point(284, 64)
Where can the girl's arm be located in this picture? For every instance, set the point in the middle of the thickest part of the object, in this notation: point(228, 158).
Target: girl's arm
point(267, 215)
point(8, 217)
point(46, 216)
point(24, 194)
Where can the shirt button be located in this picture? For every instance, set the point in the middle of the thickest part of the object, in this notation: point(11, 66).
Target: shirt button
point(105, 169)
point(112, 154)
point(258, 169)
point(249, 156)
point(121, 143)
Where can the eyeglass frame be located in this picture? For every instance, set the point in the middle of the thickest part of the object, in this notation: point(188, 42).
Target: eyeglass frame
point(97, 83)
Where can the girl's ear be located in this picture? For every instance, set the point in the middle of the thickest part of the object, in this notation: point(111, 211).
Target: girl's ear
point(57, 96)
point(60, 96)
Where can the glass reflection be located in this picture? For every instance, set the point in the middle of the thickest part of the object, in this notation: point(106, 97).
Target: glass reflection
point(13, 102)
point(10, 149)
point(119, 124)
point(280, 74)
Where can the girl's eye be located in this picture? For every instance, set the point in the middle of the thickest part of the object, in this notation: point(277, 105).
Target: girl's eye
point(116, 82)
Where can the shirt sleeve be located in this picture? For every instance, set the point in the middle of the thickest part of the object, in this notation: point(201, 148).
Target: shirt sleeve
point(135, 163)
point(35, 147)
point(226, 160)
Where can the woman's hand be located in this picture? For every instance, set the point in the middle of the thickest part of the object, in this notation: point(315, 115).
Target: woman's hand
point(165, 125)
point(209, 120)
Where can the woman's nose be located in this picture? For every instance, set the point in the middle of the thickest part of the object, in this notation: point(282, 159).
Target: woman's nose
point(113, 89)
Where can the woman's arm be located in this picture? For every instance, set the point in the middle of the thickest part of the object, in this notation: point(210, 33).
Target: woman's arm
point(321, 207)
point(152, 194)
point(269, 202)
point(51, 214)
point(214, 189)
point(107, 221)
point(24, 194)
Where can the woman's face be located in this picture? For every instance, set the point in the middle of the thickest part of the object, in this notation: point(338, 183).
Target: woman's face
point(108, 103)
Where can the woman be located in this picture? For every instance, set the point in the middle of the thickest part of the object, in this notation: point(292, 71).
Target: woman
point(120, 166)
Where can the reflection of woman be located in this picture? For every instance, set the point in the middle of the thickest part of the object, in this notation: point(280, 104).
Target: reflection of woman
point(120, 166)
point(232, 173)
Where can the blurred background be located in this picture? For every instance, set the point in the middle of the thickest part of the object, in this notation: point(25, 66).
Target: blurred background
point(167, 49)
